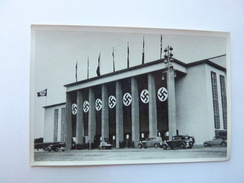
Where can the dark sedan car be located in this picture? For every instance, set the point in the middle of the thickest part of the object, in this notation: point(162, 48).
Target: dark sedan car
point(180, 141)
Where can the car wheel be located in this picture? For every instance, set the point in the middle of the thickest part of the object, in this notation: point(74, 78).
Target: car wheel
point(156, 146)
point(190, 145)
point(145, 146)
point(183, 146)
point(164, 147)
point(140, 146)
point(224, 144)
point(205, 144)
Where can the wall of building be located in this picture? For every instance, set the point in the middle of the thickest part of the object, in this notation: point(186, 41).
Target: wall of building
point(191, 103)
point(194, 103)
point(49, 123)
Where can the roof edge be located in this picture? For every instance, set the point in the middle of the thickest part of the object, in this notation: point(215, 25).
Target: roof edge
point(207, 61)
point(53, 105)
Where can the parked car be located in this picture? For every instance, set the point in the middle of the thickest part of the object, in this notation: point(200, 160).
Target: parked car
point(56, 147)
point(38, 140)
point(179, 141)
point(50, 146)
point(151, 142)
point(104, 145)
point(217, 140)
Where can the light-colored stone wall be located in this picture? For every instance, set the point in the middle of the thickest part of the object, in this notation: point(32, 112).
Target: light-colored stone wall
point(49, 122)
point(194, 102)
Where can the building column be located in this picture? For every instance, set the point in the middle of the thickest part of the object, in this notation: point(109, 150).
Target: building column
point(91, 117)
point(171, 103)
point(135, 112)
point(119, 115)
point(105, 123)
point(152, 106)
point(79, 119)
point(68, 130)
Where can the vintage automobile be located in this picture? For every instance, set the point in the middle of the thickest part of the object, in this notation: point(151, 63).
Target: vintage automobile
point(179, 141)
point(49, 146)
point(56, 147)
point(105, 145)
point(217, 140)
point(151, 142)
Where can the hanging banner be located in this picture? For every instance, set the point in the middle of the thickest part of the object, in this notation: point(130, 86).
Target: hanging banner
point(144, 96)
point(127, 99)
point(74, 109)
point(111, 101)
point(162, 94)
point(98, 104)
point(86, 106)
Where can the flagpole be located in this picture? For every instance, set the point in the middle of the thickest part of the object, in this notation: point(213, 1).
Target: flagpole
point(46, 99)
point(128, 55)
point(143, 44)
point(161, 46)
point(42, 93)
point(98, 67)
point(113, 61)
point(88, 67)
point(99, 61)
point(76, 70)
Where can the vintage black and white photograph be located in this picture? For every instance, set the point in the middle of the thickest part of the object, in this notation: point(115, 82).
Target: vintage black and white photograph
point(120, 95)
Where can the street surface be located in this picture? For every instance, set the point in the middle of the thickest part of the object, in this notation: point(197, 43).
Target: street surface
point(131, 154)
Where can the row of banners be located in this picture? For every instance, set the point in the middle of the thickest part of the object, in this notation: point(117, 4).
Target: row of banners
point(127, 99)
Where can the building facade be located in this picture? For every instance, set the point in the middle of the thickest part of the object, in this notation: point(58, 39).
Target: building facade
point(55, 123)
point(142, 101)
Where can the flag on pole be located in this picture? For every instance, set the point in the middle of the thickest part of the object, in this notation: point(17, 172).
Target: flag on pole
point(143, 47)
point(128, 55)
point(42, 93)
point(87, 67)
point(98, 67)
point(113, 60)
point(76, 70)
point(161, 46)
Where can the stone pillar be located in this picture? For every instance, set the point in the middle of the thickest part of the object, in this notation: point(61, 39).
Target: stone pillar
point(91, 117)
point(105, 122)
point(152, 106)
point(171, 103)
point(68, 130)
point(135, 112)
point(79, 119)
point(119, 115)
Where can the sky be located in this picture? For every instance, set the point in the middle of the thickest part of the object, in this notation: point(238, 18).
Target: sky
point(57, 49)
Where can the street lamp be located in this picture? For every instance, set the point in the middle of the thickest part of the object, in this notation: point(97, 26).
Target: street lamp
point(168, 56)
point(167, 59)
point(171, 90)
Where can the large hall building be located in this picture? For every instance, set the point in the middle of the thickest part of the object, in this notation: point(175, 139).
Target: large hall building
point(152, 99)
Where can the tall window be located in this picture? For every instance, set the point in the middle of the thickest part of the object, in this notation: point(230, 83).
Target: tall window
point(63, 115)
point(215, 100)
point(55, 129)
point(224, 100)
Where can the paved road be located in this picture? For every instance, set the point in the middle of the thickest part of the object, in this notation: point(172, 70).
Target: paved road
point(131, 154)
